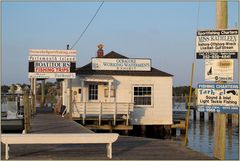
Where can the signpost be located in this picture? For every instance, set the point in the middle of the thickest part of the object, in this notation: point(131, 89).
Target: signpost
point(121, 64)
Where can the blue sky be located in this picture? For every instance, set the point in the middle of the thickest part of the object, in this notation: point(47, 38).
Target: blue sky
point(162, 31)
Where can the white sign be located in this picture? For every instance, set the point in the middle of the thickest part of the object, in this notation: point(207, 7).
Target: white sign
point(52, 58)
point(52, 75)
point(217, 44)
point(219, 69)
point(218, 95)
point(59, 64)
point(52, 52)
point(121, 64)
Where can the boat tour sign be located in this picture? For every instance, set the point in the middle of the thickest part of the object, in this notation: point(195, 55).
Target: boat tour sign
point(219, 69)
point(58, 64)
point(217, 44)
point(218, 98)
point(121, 64)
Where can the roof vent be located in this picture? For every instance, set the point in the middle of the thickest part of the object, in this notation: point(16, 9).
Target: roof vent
point(100, 51)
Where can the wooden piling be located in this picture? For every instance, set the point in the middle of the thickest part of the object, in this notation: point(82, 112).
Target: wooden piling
point(210, 116)
point(143, 130)
point(229, 118)
point(201, 116)
point(167, 129)
point(183, 127)
point(43, 93)
point(194, 114)
point(220, 136)
point(26, 112)
point(34, 96)
point(235, 119)
point(173, 131)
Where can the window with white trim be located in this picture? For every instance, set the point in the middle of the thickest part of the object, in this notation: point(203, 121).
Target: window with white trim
point(93, 92)
point(143, 95)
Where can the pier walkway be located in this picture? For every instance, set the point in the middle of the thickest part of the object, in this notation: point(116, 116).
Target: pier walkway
point(125, 148)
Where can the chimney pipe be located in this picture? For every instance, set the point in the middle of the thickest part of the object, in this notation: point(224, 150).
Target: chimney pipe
point(100, 51)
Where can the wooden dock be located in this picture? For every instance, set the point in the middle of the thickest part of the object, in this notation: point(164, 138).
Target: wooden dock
point(126, 147)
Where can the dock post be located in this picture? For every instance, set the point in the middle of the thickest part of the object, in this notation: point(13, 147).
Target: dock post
point(26, 111)
point(100, 115)
point(143, 130)
point(210, 116)
point(173, 131)
point(167, 132)
point(42, 92)
point(229, 117)
point(201, 116)
point(183, 127)
point(235, 119)
point(194, 114)
point(34, 96)
point(70, 99)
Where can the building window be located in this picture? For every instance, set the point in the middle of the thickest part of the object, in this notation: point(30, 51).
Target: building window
point(93, 92)
point(143, 95)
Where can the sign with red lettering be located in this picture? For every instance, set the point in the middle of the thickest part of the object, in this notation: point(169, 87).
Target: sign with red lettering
point(59, 64)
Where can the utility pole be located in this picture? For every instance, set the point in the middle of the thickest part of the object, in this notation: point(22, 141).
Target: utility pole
point(220, 121)
point(70, 95)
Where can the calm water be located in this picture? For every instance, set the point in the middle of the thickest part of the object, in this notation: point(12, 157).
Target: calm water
point(201, 138)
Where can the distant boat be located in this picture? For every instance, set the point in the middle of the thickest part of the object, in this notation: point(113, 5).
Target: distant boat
point(10, 120)
point(179, 111)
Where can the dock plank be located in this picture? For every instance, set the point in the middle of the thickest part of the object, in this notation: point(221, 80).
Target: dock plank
point(52, 123)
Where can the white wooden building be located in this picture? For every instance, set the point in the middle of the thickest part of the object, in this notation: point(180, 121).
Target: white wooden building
point(139, 97)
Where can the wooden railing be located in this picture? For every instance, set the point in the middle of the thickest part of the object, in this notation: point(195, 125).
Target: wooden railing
point(101, 109)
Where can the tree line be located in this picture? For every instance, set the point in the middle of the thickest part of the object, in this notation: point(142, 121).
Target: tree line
point(51, 90)
point(182, 91)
